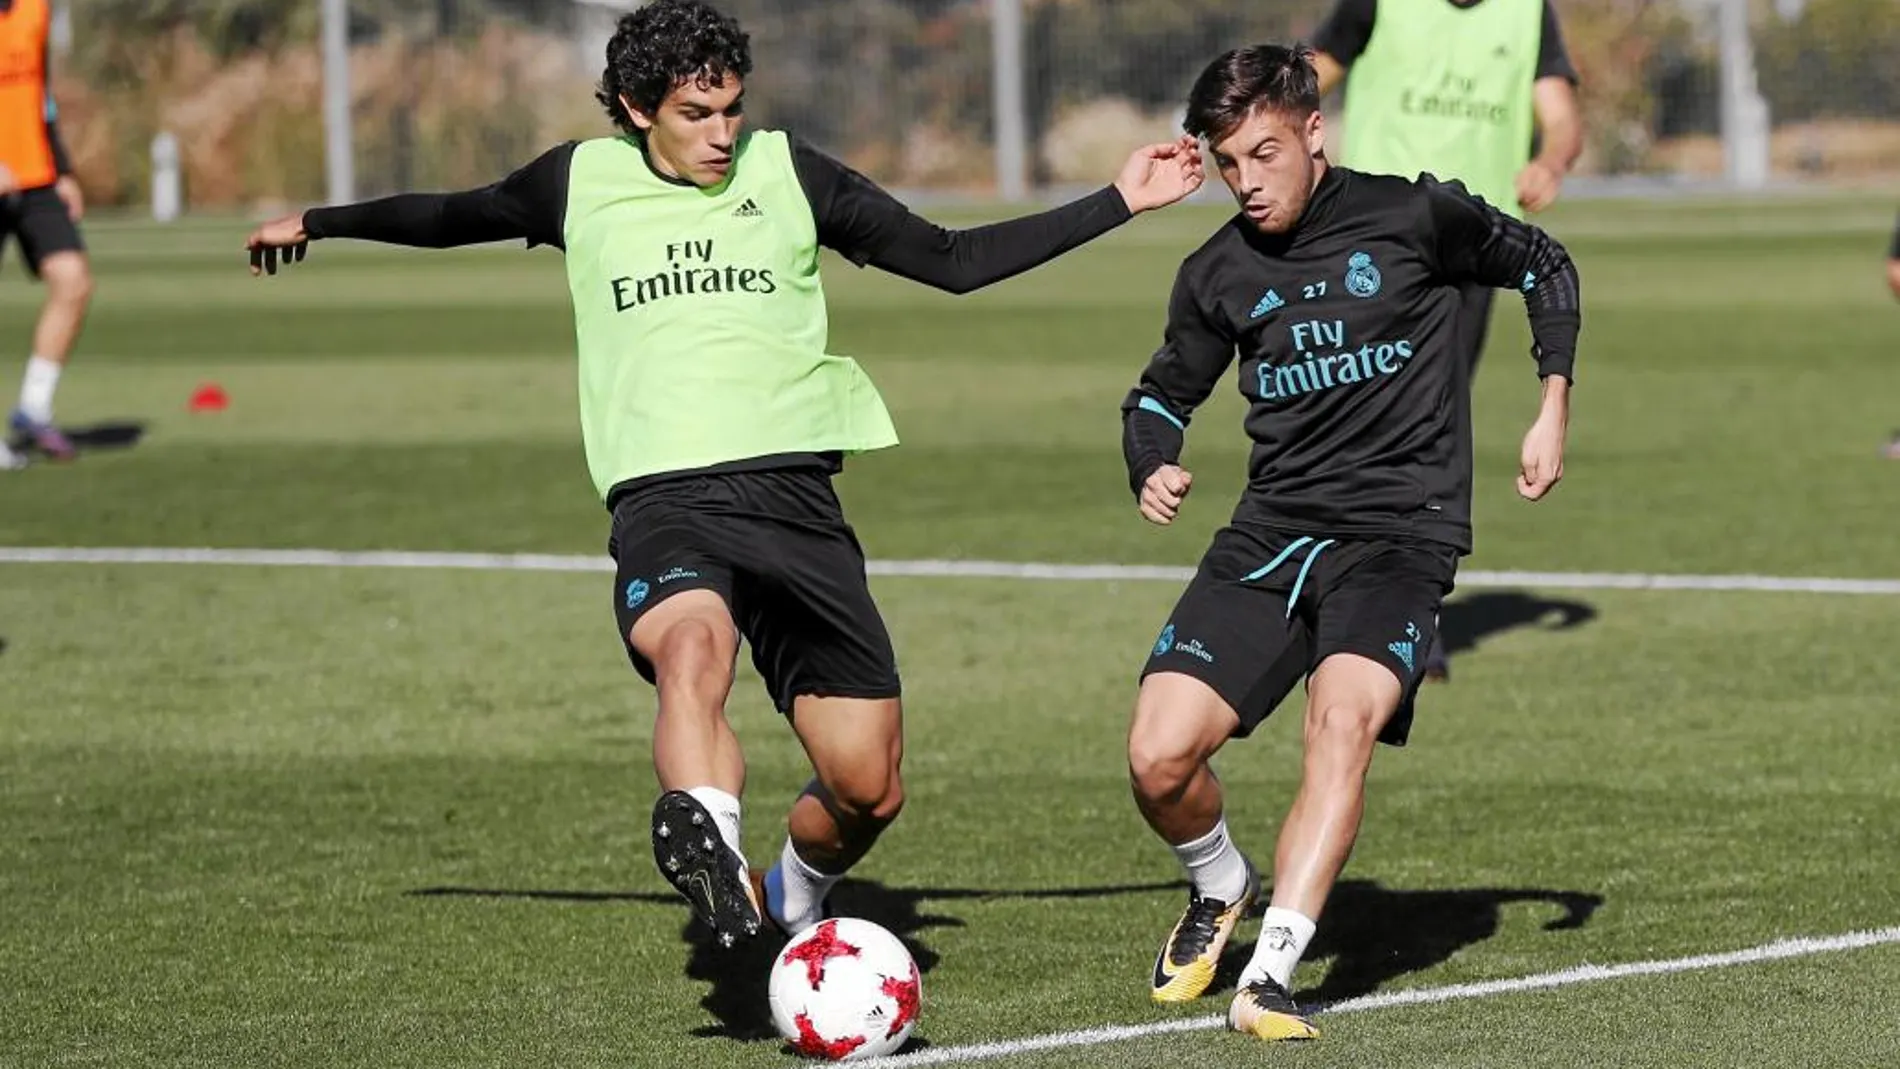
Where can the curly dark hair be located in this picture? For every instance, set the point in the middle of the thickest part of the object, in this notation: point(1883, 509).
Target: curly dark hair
point(668, 43)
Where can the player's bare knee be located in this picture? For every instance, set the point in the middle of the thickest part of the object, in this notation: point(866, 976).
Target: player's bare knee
point(1160, 767)
point(868, 797)
point(1169, 741)
point(890, 804)
point(1343, 728)
point(68, 280)
point(694, 654)
point(1162, 758)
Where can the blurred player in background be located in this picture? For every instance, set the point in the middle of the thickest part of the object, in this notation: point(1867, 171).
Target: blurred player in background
point(1338, 292)
point(1456, 88)
point(40, 203)
point(714, 420)
point(1893, 283)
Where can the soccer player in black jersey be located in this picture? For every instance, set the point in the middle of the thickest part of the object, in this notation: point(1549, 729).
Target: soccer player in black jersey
point(1338, 294)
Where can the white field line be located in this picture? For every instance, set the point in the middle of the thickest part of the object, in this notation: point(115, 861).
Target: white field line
point(964, 569)
point(1582, 974)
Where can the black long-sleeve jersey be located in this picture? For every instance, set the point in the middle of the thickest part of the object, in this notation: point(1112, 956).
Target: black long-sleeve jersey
point(1346, 331)
point(853, 217)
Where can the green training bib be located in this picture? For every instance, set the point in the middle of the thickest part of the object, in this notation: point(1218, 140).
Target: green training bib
point(700, 317)
point(1446, 89)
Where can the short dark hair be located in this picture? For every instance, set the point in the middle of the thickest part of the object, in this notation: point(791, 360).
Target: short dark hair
point(1238, 83)
point(665, 44)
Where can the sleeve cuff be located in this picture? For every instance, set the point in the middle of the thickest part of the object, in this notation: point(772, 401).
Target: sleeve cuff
point(314, 220)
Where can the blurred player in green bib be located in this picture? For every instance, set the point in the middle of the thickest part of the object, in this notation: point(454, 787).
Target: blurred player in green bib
point(1456, 89)
point(714, 418)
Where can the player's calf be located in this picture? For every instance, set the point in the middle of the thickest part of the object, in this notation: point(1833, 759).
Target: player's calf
point(1349, 700)
point(856, 747)
point(689, 643)
point(1179, 723)
point(30, 424)
point(68, 279)
point(686, 645)
point(1341, 733)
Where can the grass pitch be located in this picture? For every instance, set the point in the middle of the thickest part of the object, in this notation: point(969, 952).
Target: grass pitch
point(397, 818)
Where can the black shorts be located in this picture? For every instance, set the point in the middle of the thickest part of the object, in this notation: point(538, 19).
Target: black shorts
point(38, 218)
point(1232, 628)
point(775, 546)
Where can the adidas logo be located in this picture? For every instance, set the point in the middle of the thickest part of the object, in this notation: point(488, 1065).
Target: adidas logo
point(1402, 650)
point(1268, 303)
point(749, 210)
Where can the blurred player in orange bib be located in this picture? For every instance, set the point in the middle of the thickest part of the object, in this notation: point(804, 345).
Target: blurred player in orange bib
point(40, 205)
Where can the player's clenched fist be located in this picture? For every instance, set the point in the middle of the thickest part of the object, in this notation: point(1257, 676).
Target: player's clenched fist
point(1162, 494)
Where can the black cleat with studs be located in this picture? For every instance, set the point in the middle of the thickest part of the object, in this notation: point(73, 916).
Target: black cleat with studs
point(698, 863)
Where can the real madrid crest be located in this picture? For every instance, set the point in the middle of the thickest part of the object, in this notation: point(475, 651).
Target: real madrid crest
point(1362, 279)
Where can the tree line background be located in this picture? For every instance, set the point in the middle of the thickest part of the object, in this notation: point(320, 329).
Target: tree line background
point(453, 93)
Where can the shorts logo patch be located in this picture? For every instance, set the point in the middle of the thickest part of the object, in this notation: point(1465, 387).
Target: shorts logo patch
point(636, 593)
point(1192, 647)
point(674, 575)
point(1406, 650)
point(1362, 279)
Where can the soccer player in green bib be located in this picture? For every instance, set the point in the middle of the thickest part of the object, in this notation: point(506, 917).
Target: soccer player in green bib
point(1455, 88)
point(714, 419)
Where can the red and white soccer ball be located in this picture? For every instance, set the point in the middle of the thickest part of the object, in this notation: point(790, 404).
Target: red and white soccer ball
point(845, 989)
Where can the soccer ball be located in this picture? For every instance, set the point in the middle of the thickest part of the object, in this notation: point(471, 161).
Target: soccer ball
point(845, 989)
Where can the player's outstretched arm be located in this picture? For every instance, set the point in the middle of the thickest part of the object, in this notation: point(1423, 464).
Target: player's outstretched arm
point(1475, 242)
point(870, 227)
point(1194, 354)
point(529, 204)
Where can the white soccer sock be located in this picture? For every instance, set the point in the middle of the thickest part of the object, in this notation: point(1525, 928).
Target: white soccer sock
point(1283, 938)
point(36, 389)
point(1215, 865)
point(795, 892)
point(725, 813)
